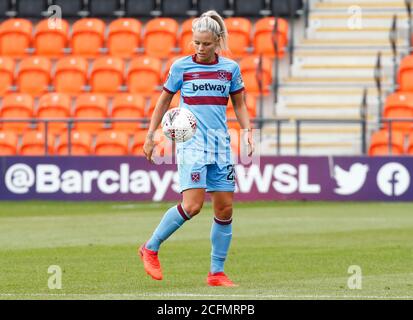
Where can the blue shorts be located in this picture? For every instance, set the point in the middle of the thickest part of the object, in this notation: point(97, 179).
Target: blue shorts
point(206, 170)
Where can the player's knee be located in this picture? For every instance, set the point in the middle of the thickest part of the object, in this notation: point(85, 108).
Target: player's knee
point(192, 208)
point(223, 212)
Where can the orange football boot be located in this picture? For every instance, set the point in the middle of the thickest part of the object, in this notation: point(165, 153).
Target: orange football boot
point(150, 262)
point(219, 279)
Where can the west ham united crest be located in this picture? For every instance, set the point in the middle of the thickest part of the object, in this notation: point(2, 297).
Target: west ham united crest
point(223, 75)
point(195, 176)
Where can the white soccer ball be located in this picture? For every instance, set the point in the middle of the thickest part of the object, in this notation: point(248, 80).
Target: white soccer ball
point(179, 124)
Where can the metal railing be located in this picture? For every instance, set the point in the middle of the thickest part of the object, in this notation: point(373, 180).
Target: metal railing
point(410, 27)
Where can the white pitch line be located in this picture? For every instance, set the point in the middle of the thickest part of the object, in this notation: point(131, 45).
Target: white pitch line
point(196, 295)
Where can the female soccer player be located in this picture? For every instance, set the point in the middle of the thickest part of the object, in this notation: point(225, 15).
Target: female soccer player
point(205, 164)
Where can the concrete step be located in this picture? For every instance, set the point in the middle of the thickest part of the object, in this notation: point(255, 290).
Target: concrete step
point(350, 44)
point(339, 71)
point(355, 19)
point(394, 5)
point(344, 33)
point(327, 80)
point(343, 57)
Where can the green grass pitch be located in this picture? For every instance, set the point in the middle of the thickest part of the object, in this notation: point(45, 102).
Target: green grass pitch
point(280, 250)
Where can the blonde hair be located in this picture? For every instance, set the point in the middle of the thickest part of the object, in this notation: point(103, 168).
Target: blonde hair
point(211, 21)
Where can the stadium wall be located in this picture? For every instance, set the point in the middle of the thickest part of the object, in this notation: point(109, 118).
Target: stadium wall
point(273, 178)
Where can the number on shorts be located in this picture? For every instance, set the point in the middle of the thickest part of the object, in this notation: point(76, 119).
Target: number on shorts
point(230, 175)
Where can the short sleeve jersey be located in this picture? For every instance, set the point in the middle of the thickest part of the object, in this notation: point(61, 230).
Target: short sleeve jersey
point(205, 90)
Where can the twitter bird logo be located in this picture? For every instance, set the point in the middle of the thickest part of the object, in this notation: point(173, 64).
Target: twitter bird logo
point(351, 181)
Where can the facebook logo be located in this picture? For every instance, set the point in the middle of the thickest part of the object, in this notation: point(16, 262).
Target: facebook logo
point(393, 179)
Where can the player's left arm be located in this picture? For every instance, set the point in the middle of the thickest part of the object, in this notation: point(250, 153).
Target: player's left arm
point(241, 112)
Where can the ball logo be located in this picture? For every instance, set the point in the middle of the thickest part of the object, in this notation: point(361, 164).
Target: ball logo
point(19, 178)
point(393, 179)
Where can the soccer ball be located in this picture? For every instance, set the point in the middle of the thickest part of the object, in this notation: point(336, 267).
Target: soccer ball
point(179, 124)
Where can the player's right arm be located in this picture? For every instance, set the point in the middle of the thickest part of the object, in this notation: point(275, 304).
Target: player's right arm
point(162, 105)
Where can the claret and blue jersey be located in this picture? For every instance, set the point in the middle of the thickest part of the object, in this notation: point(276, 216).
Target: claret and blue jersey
point(205, 90)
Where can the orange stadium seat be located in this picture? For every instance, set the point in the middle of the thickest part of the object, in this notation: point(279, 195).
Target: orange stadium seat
point(251, 103)
point(128, 106)
point(15, 37)
point(185, 38)
point(111, 143)
point(8, 143)
point(80, 143)
point(400, 105)
point(154, 99)
point(54, 106)
point(71, 75)
point(88, 36)
point(410, 145)
point(34, 75)
point(51, 38)
point(6, 74)
point(17, 106)
point(89, 105)
point(379, 143)
point(33, 144)
point(263, 37)
point(239, 31)
point(144, 75)
point(124, 37)
point(138, 142)
point(405, 74)
point(160, 37)
point(249, 66)
point(107, 75)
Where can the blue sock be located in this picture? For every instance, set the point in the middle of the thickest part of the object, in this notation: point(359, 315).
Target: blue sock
point(173, 219)
point(221, 235)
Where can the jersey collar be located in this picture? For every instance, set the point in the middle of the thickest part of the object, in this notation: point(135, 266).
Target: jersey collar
point(206, 63)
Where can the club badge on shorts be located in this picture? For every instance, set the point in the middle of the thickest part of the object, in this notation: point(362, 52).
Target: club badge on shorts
point(195, 176)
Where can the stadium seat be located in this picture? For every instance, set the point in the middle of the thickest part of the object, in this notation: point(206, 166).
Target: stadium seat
point(71, 75)
point(379, 143)
point(239, 30)
point(160, 37)
point(33, 144)
point(128, 106)
point(31, 8)
point(251, 103)
point(219, 6)
point(34, 75)
point(17, 106)
point(124, 37)
point(144, 75)
point(70, 8)
point(103, 8)
point(138, 142)
point(185, 38)
point(141, 8)
point(111, 143)
point(54, 106)
point(8, 143)
point(249, 66)
point(263, 37)
point(5, 5)
point(154, 99)
point(88, 36)
point(283, 7)
point(107, 75)
point(89, 105)
point(410, 145)
point(50, 39)
point(178, 8)
point(400, 105)
point(405, 74)
point(15, 37)
point(246, 8)
point(80, 143)
point(6, 74)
